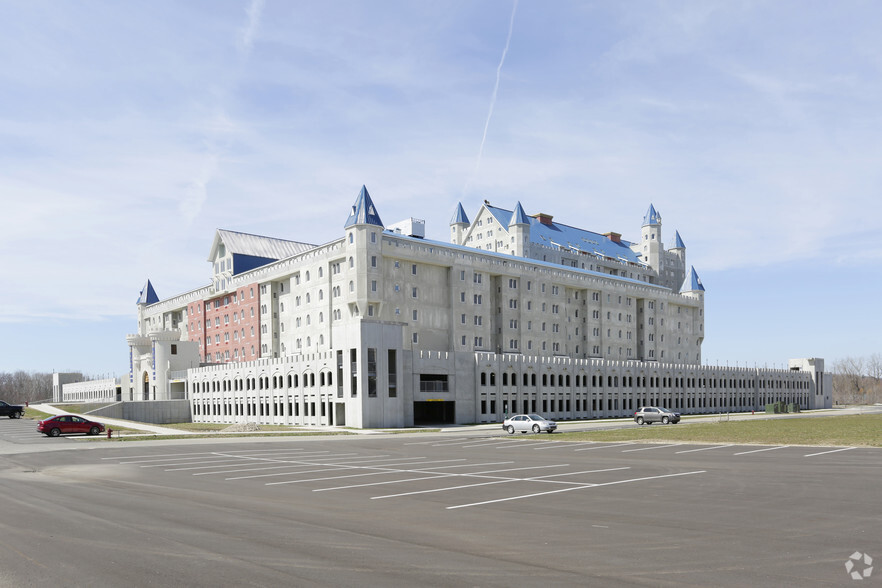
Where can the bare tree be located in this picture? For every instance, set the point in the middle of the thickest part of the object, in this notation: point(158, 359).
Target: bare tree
point(858, 380)
point(20, 387)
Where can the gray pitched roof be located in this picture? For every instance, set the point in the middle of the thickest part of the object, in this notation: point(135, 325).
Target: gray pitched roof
point(256, 245)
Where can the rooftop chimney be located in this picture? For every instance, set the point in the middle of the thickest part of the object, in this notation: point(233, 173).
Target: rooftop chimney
point(543, 218)
point(614, 237)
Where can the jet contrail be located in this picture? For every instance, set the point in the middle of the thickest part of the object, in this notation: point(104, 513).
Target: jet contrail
point(246, 38)
point(514, 9)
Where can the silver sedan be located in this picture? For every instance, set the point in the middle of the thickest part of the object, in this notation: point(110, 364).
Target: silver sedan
point(528, 422)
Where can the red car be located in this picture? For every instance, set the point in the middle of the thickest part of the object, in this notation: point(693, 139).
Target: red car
point(69, 424)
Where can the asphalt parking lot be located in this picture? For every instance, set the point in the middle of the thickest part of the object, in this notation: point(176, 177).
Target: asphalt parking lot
point(438, 510)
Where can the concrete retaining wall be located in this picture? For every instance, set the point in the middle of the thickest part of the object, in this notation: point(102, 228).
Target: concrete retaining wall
point(159, 412)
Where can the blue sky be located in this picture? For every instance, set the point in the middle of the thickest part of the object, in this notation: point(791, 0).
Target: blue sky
point(130, 131)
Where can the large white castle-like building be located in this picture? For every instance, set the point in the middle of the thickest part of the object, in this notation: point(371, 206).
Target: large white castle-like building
point(381, 327)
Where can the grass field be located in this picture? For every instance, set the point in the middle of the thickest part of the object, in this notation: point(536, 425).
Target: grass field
point(848, 430)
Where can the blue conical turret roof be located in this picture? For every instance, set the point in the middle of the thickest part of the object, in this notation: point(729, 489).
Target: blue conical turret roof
point(692, 283)
point(363, 211)
point(678, 242)
point(519, 217)
point(652, 217)
point(459, 216)
point(148, 294)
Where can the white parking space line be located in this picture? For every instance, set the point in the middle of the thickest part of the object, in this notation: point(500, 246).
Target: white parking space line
point(605, 446)
point(570, 489)
point(167, 461)
point(375, 471)
point(437, 474)
point(288, 462)
point(254, 469)
point(519, 442)
point(336, 467)
point(703, 448)
point(452, 443)
point(489, 443)
point(231, 459)
point(763, 449)
point(565, 444)
point(495, 480)
point(826, 452)
point(651, 447)
point(435, 441)
point(509, 444)
point(197, 453)
point(386, 482)
point(545, 444)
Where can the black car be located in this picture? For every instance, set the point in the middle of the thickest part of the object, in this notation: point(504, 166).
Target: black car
point(11, 410)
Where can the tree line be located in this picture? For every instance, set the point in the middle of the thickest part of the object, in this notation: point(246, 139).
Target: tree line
point(858, 380)
point(21, 386)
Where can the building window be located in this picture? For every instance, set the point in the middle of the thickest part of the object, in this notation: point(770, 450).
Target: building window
point(392, 370)
point(372, 372)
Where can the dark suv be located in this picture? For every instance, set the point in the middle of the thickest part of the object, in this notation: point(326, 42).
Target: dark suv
point(10, 410)
point(654, 414)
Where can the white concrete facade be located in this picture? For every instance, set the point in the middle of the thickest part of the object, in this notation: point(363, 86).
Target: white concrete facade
point(378, 328)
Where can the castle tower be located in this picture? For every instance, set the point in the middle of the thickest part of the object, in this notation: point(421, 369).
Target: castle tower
point(146, 297)
point(693, 288)
point(364, 230)
point(677, 259)
point(459, 225)
point(692, 285)
point(652, 249)
point(519, 231)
